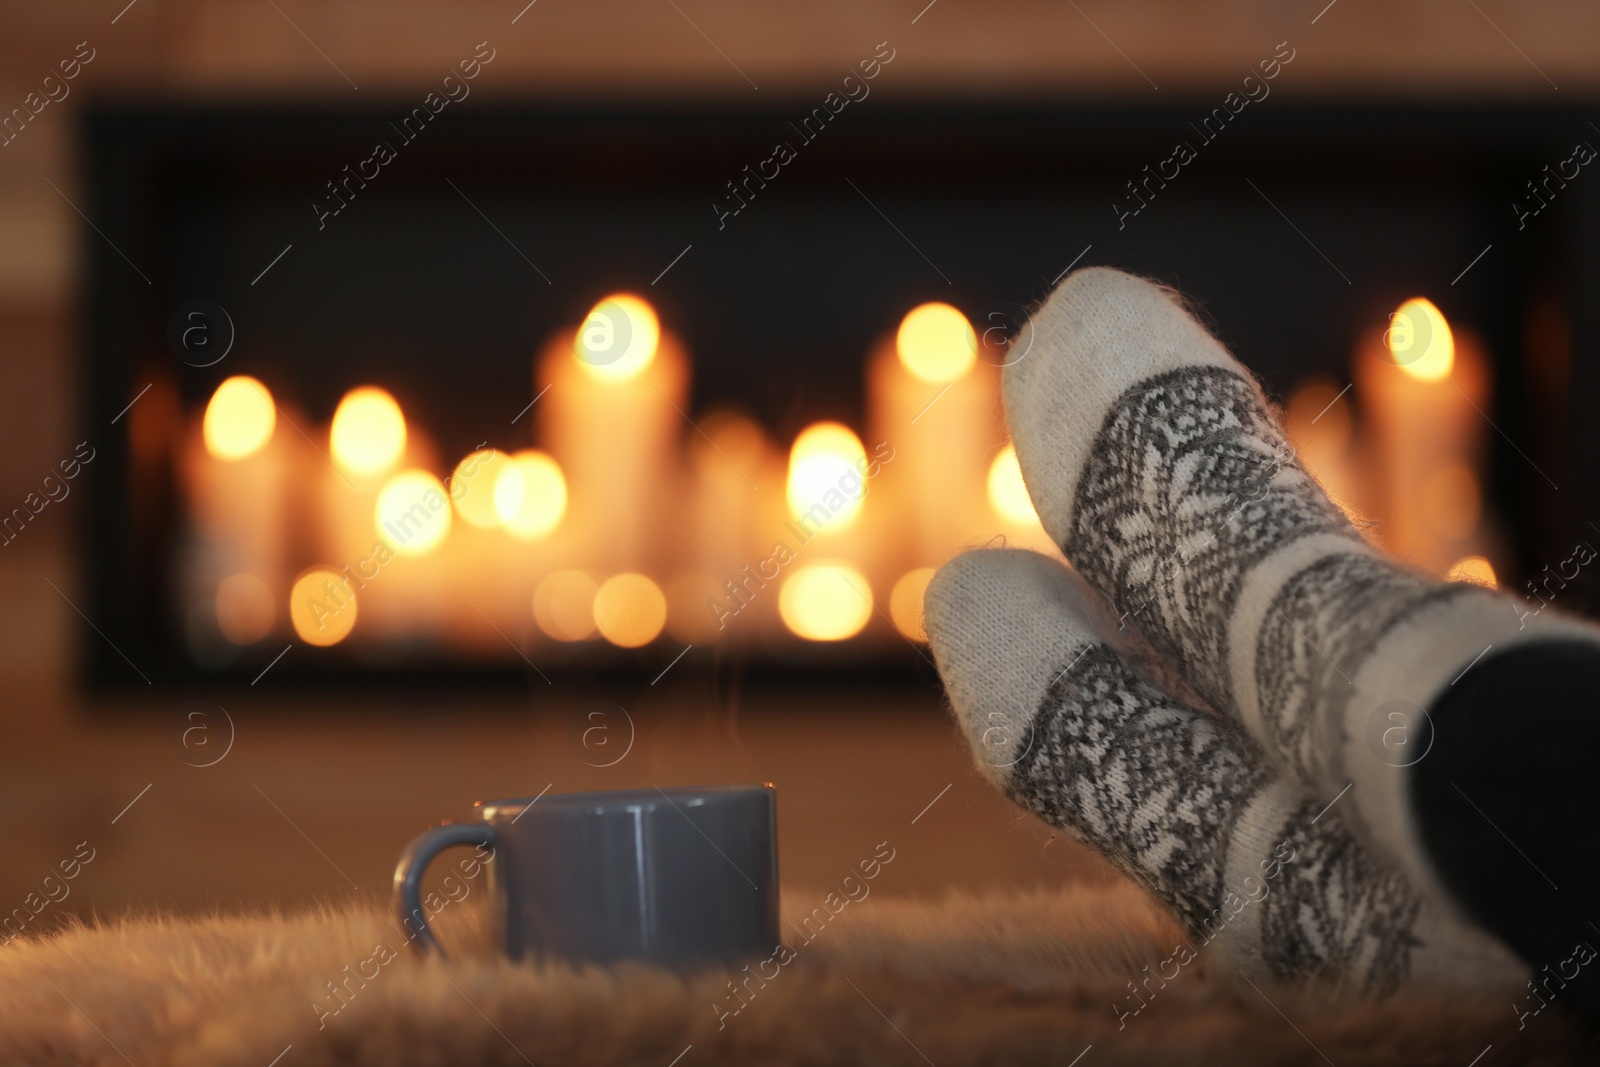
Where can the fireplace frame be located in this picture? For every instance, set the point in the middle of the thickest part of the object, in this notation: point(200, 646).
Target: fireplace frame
point(156, 172)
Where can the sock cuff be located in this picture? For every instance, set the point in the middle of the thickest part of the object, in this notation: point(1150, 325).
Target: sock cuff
point(1421, 659)
point(1258, 599)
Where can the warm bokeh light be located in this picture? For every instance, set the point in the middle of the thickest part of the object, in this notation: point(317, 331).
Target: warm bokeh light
point(563, 605)
point(618, 338)
point(1451, 501)
point(905, 603)
point(413, 513)
point(245, 611)
point(825, 601)
point(530, 494)
point(690, 617)
point(322, 607)
point(1420, 342)
point(629, 610)
point(1476, 570)
point(239, 418)
point(369, 431)
point(1319, 418)
point(825, 469)
point(473, 484)
point(1007, 493)
point(936, 343)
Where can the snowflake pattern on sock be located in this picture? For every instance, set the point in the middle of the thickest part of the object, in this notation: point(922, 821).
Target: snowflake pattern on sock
point(1190, 483)
point(1326, 620)
point(1146, 785)
point(1338, 914)
point(1159, 790)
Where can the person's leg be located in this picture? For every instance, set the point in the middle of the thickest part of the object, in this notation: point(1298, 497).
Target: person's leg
point(1184, 804)
point(1157, 465)
point(1504, 799)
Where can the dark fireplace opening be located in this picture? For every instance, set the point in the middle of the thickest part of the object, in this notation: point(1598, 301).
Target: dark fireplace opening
point(458, 272)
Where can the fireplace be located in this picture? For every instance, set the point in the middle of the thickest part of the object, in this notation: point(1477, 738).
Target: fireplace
point(613, 392)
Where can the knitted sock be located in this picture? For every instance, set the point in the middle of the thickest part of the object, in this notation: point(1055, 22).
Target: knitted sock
point(1154, 460)
point(1183, 803)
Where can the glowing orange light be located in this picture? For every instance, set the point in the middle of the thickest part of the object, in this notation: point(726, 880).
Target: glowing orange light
point(245, 612)
point(413, 513)
point(825, 601)
point(825, 470)
point(563, 605)
point(618, 338)
point(239, 418)
point(473, 483)
point(1420, 342)
point(936, 343)
point(530, 494)
point(905, 603)
point(1474, 569)
point(629, 610)
point(322, 607)
point(1318, 419)
point(1451, 501)
point(369, 431)
point(1007, 493)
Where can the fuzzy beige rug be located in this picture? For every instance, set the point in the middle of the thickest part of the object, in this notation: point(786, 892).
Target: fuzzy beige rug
point(1028, 978)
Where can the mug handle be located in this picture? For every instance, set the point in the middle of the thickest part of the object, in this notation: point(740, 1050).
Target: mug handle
point(414, 861)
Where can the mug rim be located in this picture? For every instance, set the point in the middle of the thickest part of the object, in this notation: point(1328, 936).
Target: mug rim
point(616, 798)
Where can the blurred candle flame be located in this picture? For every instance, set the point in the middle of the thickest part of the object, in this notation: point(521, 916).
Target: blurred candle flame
point(413, 513)
point(629, 610)
point(825, 601)
point(369, 431)
point(322, 607)
point(530, 494)
point(618, 338)
point(825, 467)
point(905, 603)
point(472, 486)
point(936, 343)
point(239, 419)
point(1420, 342)
point(1008, 495)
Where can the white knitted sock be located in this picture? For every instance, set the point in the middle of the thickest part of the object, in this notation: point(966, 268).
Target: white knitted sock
point(1155, 462)
point(1183, 803)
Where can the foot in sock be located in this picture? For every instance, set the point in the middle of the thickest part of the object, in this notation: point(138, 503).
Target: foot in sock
point(1185, 804)
point(1155, 462)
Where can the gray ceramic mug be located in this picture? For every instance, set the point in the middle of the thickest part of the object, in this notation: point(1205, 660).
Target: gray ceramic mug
point(676, 877)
